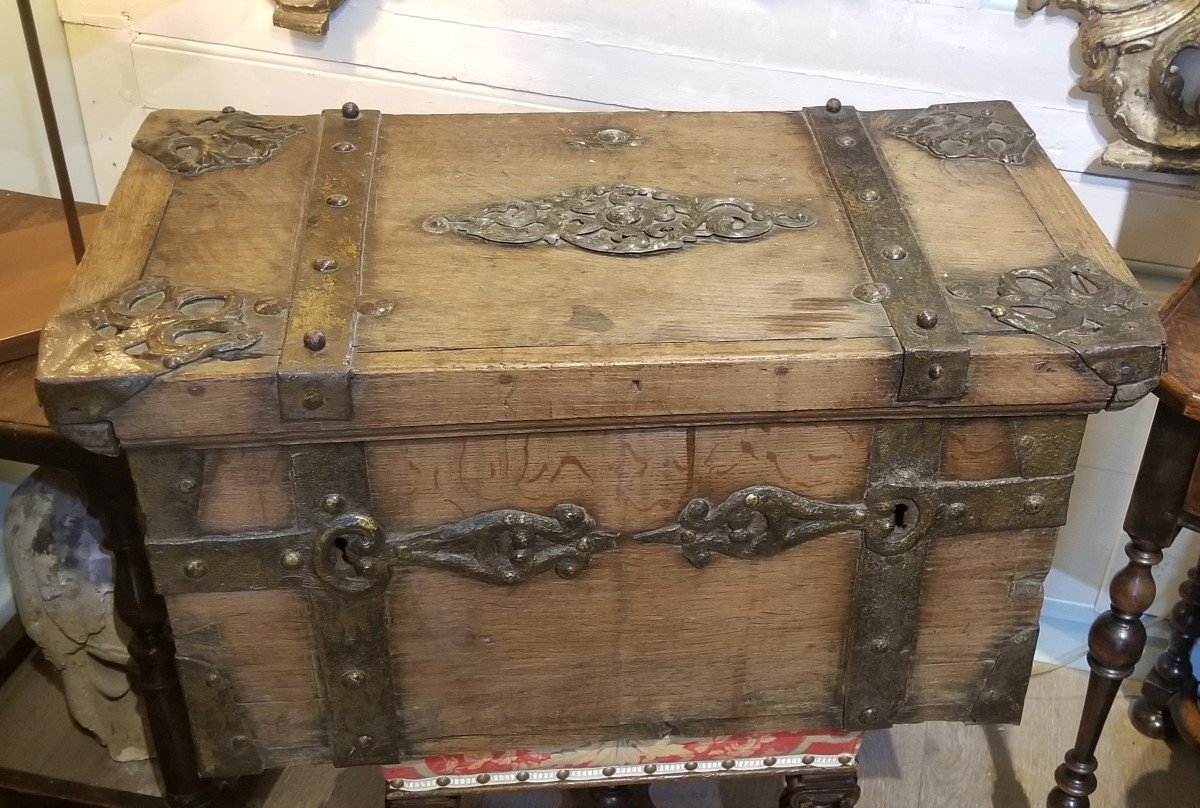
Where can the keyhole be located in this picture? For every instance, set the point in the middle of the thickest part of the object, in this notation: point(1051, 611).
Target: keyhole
point(900, 515)
point(341, 558)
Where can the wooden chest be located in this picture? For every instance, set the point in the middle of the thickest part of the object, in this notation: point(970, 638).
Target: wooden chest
point(456, 433)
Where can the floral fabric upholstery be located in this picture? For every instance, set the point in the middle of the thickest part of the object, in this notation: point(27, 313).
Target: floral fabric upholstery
point(617, 760)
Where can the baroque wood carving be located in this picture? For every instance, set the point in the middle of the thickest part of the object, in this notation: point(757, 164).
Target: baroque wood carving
point(1132, 50)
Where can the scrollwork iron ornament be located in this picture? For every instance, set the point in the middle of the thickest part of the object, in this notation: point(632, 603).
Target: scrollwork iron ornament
point(348, 555)
point(1131, 49)
point(620, 220)
point(755, 522)
point(1077, 304)
point(987, 130)
point(509, 546)
point(228, 138)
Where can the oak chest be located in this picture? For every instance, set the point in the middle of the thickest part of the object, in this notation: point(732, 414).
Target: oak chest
point(465, 432)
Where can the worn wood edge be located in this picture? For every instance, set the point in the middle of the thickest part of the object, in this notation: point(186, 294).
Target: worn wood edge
point(20, 789)
point(402, 394)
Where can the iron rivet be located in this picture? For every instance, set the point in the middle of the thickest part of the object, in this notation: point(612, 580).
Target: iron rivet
point(871, 292)
point(333, 503)
point(239, 741)
point(751, 500)
point(99, 347)
point(833, 106)
point(314, 340)
point(727, 764)
point(242, 336)
point(868, 715)
point(350, 110)
point(956, 510)
point(195, 569)
point(686, 537)
point(846, 141)
point(936, 371)
point(808, 760)
point(291, 560)
point(522, 777)
point(845, 760)
point(511, 577)
point(964, 290)
point(869, 195)
point(770, 761)
point(337, 200)
point(213, 680)
point(1028, 441)
point(880, 645)
point(443, 781)
point(649, 768)
point(895, 253)
point(608, 771)
point(325, 264)
point(228, 110)
point(1034, 503)
point(343, 146)
point(999, 311)
point(858, 516)
point(185, 486)
point(927, 319)
point(268, 305)
point(354, 678)
point(365, 741)
point(690, 765)
point(562, 774)
point(313, 401)
point(483, 778)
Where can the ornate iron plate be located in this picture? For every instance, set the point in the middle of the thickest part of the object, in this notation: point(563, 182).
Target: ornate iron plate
point(221, 140)
point(984, 130)
point(620, 220)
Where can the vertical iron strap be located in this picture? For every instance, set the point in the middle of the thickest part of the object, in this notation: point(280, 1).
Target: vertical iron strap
point(351, 629)
point(936, 354)
point(887, 588)
point(314, 365)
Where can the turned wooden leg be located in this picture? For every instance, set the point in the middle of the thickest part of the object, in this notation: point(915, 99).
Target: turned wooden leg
point(1118, 637)
point(111, 499)
point(837, 788)
point(1172, 675)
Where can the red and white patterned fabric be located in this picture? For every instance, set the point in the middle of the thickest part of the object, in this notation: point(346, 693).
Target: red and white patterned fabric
point(617, 760)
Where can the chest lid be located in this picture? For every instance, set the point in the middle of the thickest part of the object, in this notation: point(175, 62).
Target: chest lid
point(261, 278)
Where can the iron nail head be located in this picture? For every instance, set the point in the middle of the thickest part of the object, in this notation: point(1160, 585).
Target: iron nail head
point(833, 106)
point(195, 569)
point(337, 200)
point(350, 110)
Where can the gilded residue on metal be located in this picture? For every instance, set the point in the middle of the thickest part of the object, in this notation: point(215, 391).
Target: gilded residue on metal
point(314, 365)
point(118, 345)
point(936, 354)
point(349, 611)
point(987, 130)
point(620, 219)
point(1075, 303)
point(218, 140)
point(225, 746)
point(755, 522)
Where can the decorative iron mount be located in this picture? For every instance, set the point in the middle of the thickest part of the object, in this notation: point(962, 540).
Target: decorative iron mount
point(220, 140)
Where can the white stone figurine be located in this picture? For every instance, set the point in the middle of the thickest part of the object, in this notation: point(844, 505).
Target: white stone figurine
point(63, 585)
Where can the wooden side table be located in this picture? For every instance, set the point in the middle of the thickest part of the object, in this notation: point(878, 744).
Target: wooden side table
point(1166, 498)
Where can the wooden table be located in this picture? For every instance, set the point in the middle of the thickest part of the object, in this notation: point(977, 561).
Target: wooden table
point(1166, 498)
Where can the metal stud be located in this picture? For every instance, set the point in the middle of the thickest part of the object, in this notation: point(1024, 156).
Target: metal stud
point(1034, 503)
point(228, 110)
point(213, 680)
point(846, 141)
point(291, 559)
point(239, 741)
point(562, 774)
point(880, 645)
point(325, 264)
point(522, 777)
point(333, 503)
point(927, 319)
point(833, 106)
point(365, 741)
point(314, 340)
point(185, 486)
point(443, 781)
point(337, 200)
point(936, 371)
point(313, 401)
point(751, 500)
point(649, 768)
point(343, 146)
point(869, 195)
point(845, 760)
point(727, 764)
point(483, 778)
point(354, 678)
point(868, 715)
point(195, 569)
point(350, 110)
point(808, 760)
point(895, 253)
point(770, 761)
point(691, 765)
point(609, 771)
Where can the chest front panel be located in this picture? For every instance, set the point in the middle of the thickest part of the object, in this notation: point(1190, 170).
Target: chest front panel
point(821, 582)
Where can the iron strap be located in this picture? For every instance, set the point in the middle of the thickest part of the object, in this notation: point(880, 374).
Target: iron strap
point(314, 364)
point(936, 354)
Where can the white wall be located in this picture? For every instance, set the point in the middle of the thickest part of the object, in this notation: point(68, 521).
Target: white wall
point(130, 56)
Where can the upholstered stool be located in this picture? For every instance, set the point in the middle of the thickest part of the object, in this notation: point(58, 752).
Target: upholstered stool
point(821, 768)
